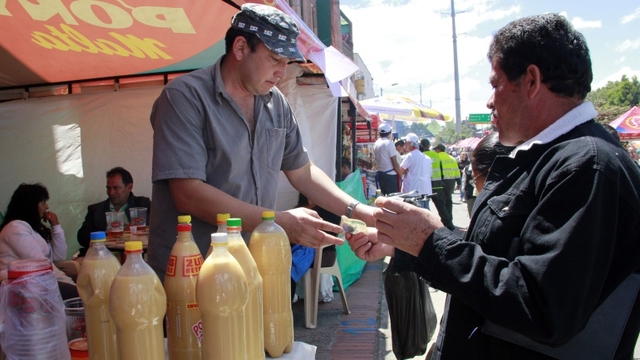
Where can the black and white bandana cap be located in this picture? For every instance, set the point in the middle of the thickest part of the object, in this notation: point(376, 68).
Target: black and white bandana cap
point(277, 30)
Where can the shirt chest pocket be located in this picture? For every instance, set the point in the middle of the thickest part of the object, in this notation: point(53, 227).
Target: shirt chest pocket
point(502, 220)
point(275, 147)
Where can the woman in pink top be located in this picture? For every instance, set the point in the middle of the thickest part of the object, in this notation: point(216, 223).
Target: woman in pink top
point(25, 235)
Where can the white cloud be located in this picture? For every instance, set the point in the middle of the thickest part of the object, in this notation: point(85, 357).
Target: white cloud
point(631, 17)
point(581, 24)
point(629, 45)
point(616, 76)
point(619, 61)
point(412, 45)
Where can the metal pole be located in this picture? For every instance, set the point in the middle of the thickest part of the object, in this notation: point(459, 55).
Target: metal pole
point(455, 70)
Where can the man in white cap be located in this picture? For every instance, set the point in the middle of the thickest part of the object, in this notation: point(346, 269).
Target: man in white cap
point(416, 168)
point(384, 149)
point(223, 133)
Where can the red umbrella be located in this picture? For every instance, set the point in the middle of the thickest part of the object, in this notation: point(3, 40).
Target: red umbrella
point(628, 124)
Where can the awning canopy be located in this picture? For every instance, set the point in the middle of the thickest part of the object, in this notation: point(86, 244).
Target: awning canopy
point(467, 143)
point(56, 41)
point(628, 124)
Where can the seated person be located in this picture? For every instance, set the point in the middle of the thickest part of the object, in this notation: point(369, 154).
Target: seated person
point(24, 234)
point(119, 186)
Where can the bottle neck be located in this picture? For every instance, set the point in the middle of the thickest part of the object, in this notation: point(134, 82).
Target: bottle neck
point(234, 229)
point(184, 236)
point(134, 255)
point(219, 248)
point(98, 244)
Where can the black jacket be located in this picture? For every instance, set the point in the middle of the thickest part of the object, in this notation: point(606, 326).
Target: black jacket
point(555, 230)
point(96, 220)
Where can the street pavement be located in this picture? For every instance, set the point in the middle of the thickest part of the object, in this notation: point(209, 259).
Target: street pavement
point(365, 333)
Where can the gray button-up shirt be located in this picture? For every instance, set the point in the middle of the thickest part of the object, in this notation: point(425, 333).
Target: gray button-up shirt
point(200, 132)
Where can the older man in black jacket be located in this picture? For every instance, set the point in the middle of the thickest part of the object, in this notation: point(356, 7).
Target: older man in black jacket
point(556, 229)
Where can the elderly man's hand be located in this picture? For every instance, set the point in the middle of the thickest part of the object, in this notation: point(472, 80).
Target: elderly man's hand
point(367, 247)
point(305, 227)
point(403, 225)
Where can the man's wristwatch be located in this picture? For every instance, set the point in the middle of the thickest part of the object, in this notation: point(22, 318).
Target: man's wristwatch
point(350, 208)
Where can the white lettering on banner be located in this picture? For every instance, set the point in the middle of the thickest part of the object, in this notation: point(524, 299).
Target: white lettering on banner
point(175, 19)
point(71, 40)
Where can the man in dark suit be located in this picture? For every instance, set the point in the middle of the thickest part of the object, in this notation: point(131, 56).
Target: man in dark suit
point(119, 186)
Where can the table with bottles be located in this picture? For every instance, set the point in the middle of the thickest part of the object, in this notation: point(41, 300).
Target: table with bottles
point(117, 245)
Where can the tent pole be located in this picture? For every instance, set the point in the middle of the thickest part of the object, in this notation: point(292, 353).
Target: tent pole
point(339, 141)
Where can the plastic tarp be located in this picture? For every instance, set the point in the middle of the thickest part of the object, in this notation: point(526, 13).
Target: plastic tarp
point(351, 266)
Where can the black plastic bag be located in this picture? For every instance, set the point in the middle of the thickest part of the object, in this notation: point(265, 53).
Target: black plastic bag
point(413, 317)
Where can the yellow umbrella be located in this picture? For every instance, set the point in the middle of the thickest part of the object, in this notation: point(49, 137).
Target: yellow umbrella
point(399, 107)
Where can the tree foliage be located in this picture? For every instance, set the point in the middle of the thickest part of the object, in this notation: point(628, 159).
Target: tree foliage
point(615, 98)
point(448, 135)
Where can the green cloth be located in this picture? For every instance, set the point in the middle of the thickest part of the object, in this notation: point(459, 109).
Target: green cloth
point(351, 266)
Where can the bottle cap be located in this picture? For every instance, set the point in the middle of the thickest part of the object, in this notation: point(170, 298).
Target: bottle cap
point(219, 238)
point(184, 219)
point(132, 246)
point(221, 218)
point(98, 236)
point(237, 222)
point(184, 227)
point(268, 215)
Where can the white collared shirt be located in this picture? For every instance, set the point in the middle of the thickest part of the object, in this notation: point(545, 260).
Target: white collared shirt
point(577, 116)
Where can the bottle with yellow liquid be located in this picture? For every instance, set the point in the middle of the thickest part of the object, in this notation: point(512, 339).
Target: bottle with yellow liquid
point(253, 316)
point(96, 275)
point(183, 321)
point(221, 222)
point(138, 303)
point(270, 248)
point(222, 292)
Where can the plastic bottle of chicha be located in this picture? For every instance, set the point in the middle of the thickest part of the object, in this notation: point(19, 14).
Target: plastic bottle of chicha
point(96, 275)
point(253, 317)
point(138, 304)
point(183, 321)
point(270, 248)
point(221, 224)
point(222, 293)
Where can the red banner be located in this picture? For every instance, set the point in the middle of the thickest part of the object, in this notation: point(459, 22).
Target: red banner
point(50, 41)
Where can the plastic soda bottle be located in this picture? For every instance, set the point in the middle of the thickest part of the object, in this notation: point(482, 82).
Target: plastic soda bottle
point(183, 321)
point(138, 304)
point(270, 248)
point(96, 275)
point(222, 293)
point(253, 317)
point(221, 223)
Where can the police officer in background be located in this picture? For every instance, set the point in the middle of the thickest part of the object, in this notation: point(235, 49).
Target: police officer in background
point(450, 176)
point(437, 185)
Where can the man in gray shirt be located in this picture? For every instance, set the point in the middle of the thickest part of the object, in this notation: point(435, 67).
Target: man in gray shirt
point(223, 133)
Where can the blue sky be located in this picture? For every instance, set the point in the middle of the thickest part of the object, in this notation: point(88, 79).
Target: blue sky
point(409, 42)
